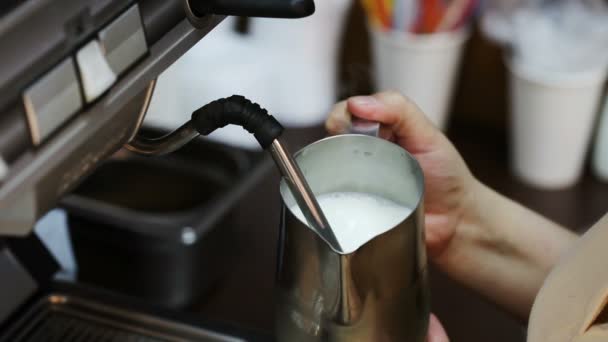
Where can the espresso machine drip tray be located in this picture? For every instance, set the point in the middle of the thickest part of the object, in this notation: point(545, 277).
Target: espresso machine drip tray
point(64, 318)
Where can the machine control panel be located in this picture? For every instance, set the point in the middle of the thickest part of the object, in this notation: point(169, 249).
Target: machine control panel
point(76, 81)
point(59, 94)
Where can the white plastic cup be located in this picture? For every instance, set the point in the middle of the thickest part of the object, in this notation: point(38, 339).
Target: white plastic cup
point(423, 67)
point(301, 59)
point(552, 117)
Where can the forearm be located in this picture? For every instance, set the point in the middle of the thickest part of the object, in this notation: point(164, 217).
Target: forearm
point(503, 250)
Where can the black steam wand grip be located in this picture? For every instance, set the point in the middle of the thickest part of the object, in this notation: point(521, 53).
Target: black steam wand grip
point(238, 110)
point(254, 8)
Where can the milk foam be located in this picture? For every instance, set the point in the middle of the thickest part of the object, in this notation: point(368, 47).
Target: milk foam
point(357, 217)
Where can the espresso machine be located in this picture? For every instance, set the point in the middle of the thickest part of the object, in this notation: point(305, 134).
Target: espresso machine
point(76, 79)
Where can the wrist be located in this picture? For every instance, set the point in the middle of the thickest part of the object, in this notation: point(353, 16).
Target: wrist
point(501, 249)
point(469, 233)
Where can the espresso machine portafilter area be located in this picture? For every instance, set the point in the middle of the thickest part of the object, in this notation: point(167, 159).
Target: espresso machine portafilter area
point(238, 110)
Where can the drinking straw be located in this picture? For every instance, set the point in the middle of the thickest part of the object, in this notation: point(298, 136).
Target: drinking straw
point(384, 8)
point(370, 9)
point(404, 15)
point(419, 16)
point(378, 12)
point(431, 13)
point(456, 14)
point(466, 15)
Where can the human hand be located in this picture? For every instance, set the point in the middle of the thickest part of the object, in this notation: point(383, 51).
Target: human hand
point(448, 181)
point(436, 332)
point(480, 238)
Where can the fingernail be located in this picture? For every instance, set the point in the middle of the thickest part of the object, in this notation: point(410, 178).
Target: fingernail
point(363, 101)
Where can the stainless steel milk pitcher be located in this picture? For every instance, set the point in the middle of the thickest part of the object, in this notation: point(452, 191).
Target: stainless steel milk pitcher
point(379, 291)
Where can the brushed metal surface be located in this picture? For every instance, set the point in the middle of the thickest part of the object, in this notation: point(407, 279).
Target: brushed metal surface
point(377, 293)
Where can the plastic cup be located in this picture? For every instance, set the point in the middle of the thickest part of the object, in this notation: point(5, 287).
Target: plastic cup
point(552, 117)
point(423, 67)
point(301, 59)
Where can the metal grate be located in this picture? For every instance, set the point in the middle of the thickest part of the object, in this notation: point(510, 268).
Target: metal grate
point(59, 318)
point(61, 327)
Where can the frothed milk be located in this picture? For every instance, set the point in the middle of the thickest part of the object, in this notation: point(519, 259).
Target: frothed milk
point(357, 217)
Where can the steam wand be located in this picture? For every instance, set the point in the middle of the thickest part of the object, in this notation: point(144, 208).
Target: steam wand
point(238, 110)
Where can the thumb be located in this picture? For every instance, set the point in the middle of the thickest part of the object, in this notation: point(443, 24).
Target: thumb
point(407, 123)
point(436, 331)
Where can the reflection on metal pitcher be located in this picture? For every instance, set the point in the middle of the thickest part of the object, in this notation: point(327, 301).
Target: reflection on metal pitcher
point(378, 292)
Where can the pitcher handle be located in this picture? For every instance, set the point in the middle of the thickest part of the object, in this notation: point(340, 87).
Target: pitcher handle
point(365, 127)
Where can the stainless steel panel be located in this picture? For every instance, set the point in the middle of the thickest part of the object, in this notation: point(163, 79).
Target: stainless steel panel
point(124, 41)
point(15, 137)
point(17, 284)
point(52, 100)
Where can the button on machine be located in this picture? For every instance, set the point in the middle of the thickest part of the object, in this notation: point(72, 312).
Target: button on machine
point(95, 72)
point(3, 169)
point(123, 41)
point(52, 100)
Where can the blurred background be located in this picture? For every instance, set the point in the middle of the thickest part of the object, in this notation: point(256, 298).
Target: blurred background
point(518, 86)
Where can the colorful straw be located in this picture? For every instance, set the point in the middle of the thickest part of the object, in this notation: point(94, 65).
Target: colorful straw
point(419, 16)
point(404, 15)
point(378, 12)
point(432, 12)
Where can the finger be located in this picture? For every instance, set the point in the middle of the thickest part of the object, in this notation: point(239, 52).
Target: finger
point(338, 121)
point(436, 331)
point(410, 126)
point(386, 132)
